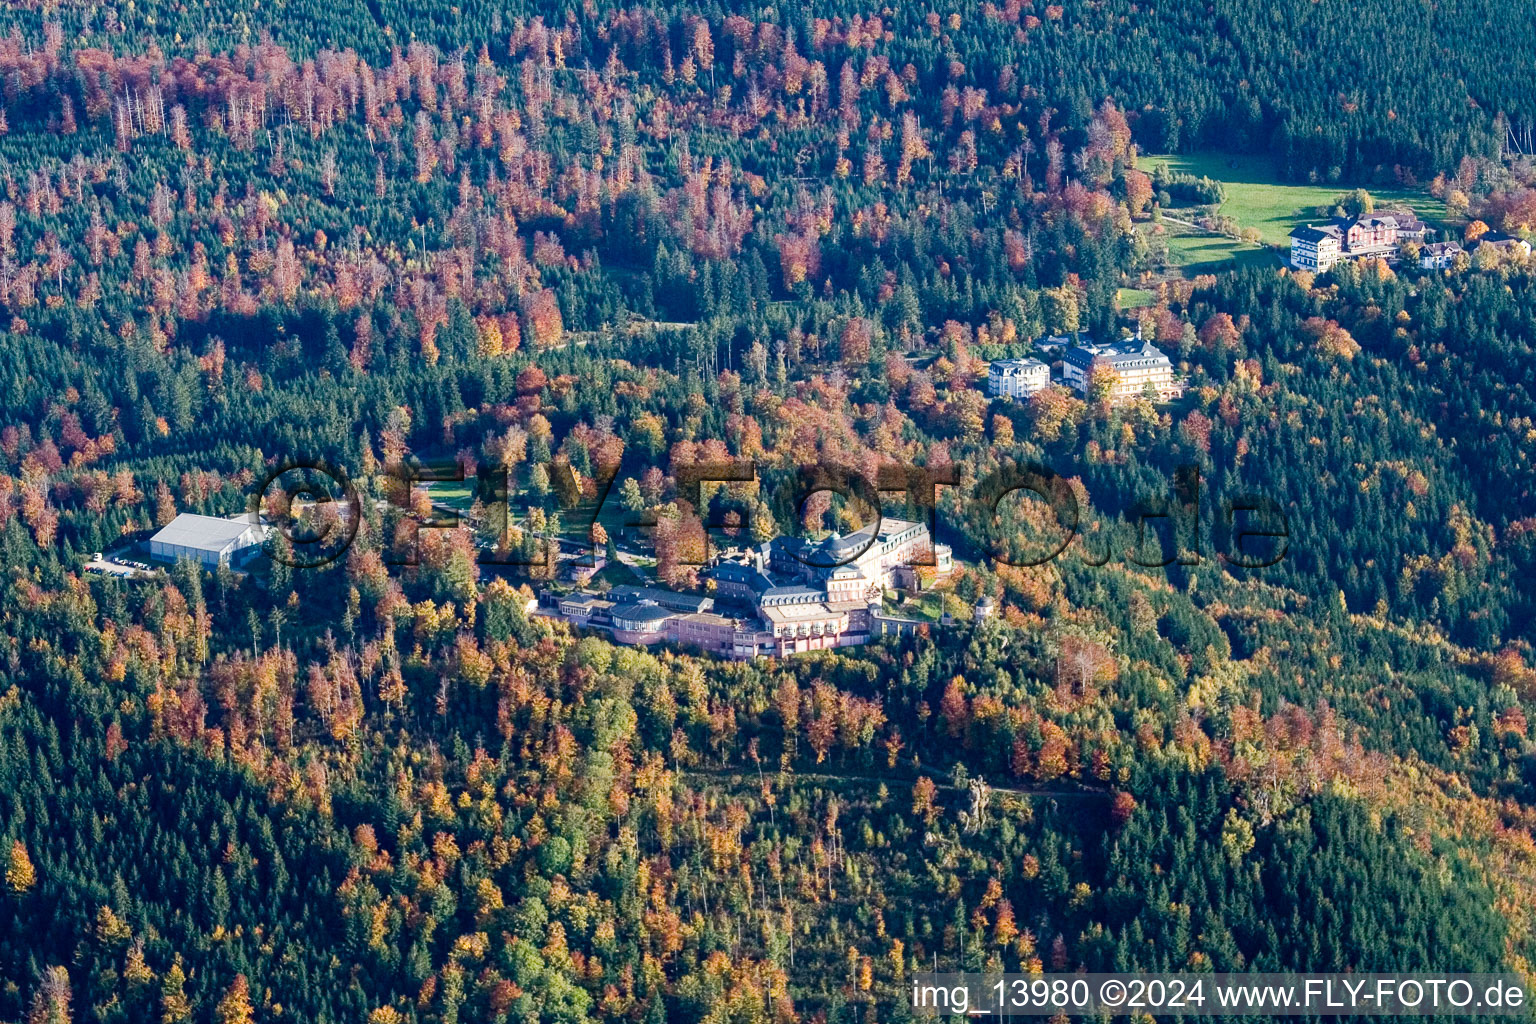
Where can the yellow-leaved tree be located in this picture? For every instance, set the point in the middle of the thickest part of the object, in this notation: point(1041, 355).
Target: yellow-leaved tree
point(235, 1007)
point(19, 873)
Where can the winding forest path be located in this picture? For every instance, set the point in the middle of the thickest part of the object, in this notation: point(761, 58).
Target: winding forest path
point(937, 774)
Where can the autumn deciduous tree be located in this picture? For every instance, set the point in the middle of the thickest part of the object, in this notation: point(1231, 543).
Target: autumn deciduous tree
point(855, 341)
point(1195, 431)
point(1330, 339)
point(1138, 192)
point(165, 505)
point(541, 318)
point(235, 1007)
point(1051, 760)
point(1061, 309)
point(1052, 409)
point(1121, 807)
point(174, 1005)
point(1102, 381)
point(50, 1003)
point(703, 48)
point(799, 257)
point(954, 709)
point(1004, 928)
point(19, 873)
point(1219, 330)
point(924, 792)
point(1509, 669)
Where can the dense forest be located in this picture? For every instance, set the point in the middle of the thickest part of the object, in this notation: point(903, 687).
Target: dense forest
point(578, 254)
point(1373, 91)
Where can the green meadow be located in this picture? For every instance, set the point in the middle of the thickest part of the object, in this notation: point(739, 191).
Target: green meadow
point(456, 494)
point(1256, 199)
point(1195, 252)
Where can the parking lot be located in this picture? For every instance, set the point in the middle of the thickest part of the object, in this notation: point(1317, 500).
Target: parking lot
point(124, 568)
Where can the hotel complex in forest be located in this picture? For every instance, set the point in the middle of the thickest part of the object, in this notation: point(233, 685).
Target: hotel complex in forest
point(783, 597)
point(1133, 369)
point(1130, 369)
point(1319, 247)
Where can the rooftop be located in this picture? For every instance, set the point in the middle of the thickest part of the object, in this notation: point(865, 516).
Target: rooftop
point(711, 619)
point(1314, 233)
point(1403, 220)
point(640, 612)
point(740, 572)
point(205, 533)
point(1124, 355)
point(1015, 367)
point(666, 598)
point(1338, 227)
point(778, 597)
point(788, 614)
point(840, 549)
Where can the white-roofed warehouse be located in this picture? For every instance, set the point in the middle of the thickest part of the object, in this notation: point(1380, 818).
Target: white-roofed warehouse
point(207, 539)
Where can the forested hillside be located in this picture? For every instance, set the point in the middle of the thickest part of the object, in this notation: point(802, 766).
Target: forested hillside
point(1373, 91)
point(598, 249)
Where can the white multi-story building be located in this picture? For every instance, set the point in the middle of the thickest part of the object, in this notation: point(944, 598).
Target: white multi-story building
point(1017, 378)
point(1316, 248)
point(1134, 364)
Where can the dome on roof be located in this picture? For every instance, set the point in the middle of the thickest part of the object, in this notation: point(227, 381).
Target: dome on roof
point(639, 616)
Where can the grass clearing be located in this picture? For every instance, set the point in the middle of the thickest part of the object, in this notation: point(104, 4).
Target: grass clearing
point(1196, 252)
point(1257, 199)
point(1134, 298)
point(456, 494)
point(927, 606)
point(617, 574)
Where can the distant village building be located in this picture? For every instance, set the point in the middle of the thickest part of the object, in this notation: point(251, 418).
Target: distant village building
point(1439, 255)
point(1136, 365)
point(582, 608)
point(1504, 244)
point(582, 568)
point(1319, 247)
point(786, 597)
point(1409, 227)
point(209, 539)
point(1017, 378)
